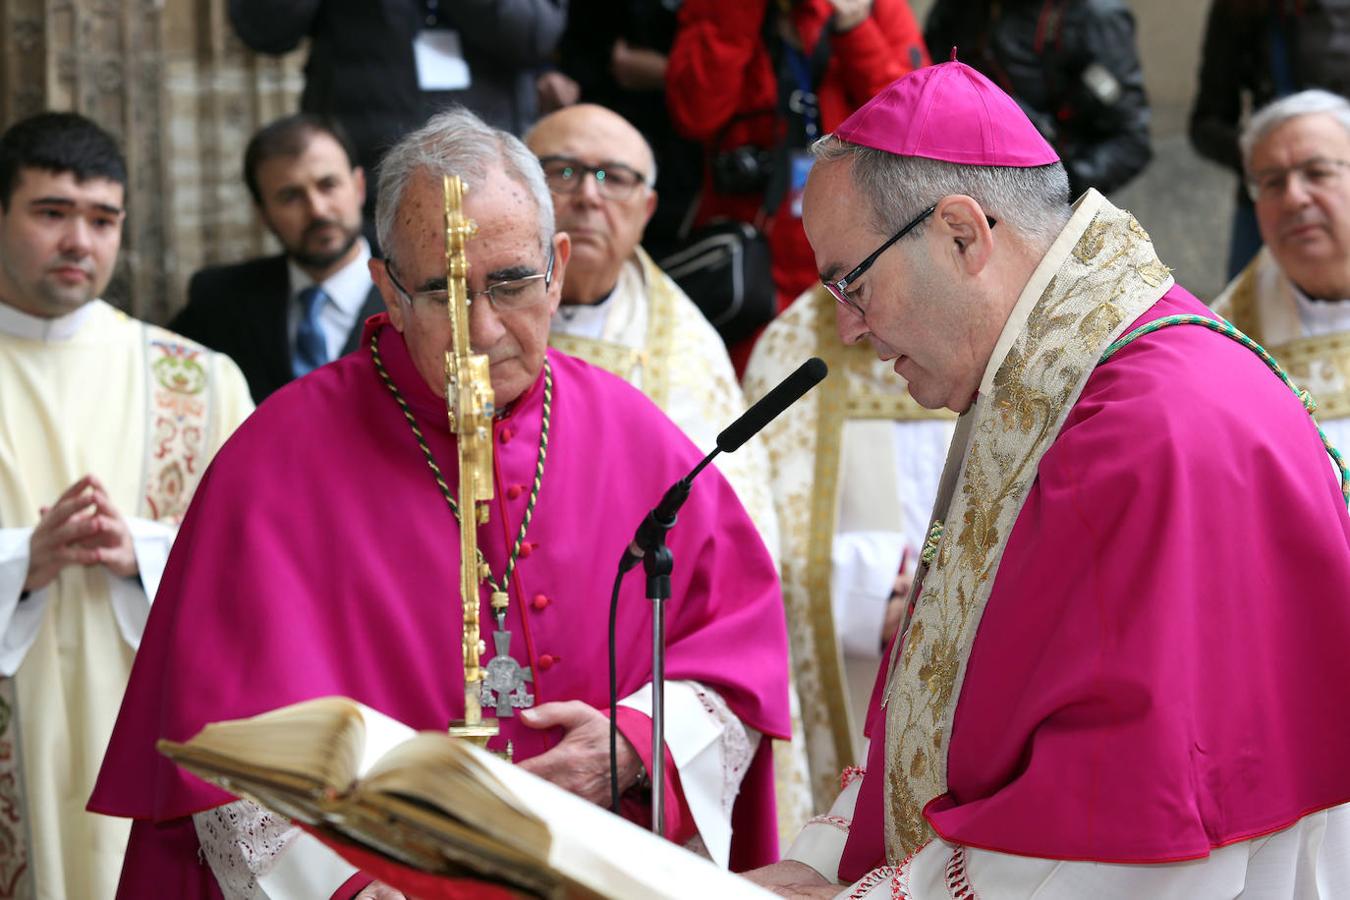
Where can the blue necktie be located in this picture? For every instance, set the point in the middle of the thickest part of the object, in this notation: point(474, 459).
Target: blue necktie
point(311, 348)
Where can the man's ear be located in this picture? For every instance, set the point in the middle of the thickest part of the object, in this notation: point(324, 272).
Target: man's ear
point(393, 300)
point(562, 252)
point(965, 230)
point(359, 179)
point(651, 208)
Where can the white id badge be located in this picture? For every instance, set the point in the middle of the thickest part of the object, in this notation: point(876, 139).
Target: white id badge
point(440, 61)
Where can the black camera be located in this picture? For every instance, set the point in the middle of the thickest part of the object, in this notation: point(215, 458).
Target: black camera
point(742, 170)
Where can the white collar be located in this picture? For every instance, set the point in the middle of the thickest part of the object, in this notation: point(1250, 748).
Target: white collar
point(20, 324)
point(1321, 317)
point(347, 288)
point(1084, 209)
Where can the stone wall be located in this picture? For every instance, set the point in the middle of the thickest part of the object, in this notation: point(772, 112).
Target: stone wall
point(182, 95)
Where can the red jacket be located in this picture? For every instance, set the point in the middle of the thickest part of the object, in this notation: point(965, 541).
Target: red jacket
point(720, 69)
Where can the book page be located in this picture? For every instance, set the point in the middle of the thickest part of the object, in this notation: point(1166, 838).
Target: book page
point(611, 855)
point(312, 746)
point(438, 771)
point(382, 735)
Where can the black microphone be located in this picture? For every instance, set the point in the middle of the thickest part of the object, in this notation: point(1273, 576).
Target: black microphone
point(653, 529)
point(788, 392)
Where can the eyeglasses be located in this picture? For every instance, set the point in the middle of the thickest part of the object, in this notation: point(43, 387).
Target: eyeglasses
point(839, 289)
point(1314, 173)
point(614, 180)
point(504, 296)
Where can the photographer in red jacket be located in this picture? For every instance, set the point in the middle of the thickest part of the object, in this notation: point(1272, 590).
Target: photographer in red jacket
point(756, 80)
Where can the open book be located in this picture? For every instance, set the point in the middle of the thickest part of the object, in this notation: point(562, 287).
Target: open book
point(440, 805)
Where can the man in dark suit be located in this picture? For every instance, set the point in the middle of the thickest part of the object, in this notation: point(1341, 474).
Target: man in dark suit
point(279, 317)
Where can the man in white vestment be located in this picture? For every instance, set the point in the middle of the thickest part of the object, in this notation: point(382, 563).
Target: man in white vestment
point(1294, 297)
point(622, 313)
point(106, 425)
point(854, 469)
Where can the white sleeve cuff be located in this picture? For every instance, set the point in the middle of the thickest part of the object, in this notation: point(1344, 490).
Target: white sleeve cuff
point(306, 869)
point(19, 621)
point(130, 597)
point(706, 753)
point(820, 844)
point(862, 575)
point(152, 542)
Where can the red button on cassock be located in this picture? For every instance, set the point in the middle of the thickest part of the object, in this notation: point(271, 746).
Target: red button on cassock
point(526, 549)
point(514, 491)
point(505, 434)
point(540, 601)
point(546, 661)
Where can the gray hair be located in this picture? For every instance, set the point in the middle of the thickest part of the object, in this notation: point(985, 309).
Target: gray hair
point(1273, 115)
point(457, 142)
point(1033, 201)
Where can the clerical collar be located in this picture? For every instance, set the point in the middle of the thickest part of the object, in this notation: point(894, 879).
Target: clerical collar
point(570, 311)
point(1321, 317)
point(1084, 209)
point(36, 328)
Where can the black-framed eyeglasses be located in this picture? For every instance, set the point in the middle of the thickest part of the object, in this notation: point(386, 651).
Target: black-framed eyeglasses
point(839, 289)
point(504, 296)
point(565, 175)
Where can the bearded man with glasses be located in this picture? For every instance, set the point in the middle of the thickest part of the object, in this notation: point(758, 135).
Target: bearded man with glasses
point(324, 560)
point(1123, 671)
point(1294, 296)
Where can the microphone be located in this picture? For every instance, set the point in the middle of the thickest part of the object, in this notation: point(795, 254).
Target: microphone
point(788, 392)
point(649, 545)
point(653, 529)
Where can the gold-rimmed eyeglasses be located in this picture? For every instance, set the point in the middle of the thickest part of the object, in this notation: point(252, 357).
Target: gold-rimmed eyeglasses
point(508, 295)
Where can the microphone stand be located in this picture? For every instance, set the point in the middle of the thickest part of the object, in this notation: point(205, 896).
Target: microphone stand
point(649, 545)
point(658, 562)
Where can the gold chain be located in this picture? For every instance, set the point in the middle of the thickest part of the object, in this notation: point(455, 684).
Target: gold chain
point(445, 488)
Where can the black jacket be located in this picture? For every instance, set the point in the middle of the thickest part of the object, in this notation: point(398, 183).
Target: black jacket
point(240, 310)
point(1239, 63)
point(361, 71)
point(1071, 65)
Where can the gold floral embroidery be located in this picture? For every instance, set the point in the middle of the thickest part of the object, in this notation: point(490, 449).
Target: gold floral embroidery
point(15, 863)
point(178, 406)
point(804, 454)
point(1109, 278)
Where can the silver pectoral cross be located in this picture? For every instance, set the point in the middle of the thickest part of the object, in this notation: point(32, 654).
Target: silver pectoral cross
point(504, 681)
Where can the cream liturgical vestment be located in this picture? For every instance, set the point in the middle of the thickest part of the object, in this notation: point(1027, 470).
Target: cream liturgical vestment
point(648, 332)
point(1310, 338)
point(855, 468)
point(143, 410)
point(653, 336)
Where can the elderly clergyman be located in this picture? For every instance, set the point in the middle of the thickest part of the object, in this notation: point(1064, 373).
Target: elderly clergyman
point(619, 311)
point(320, 558)
point(1125, 674)
point(1294, 297)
